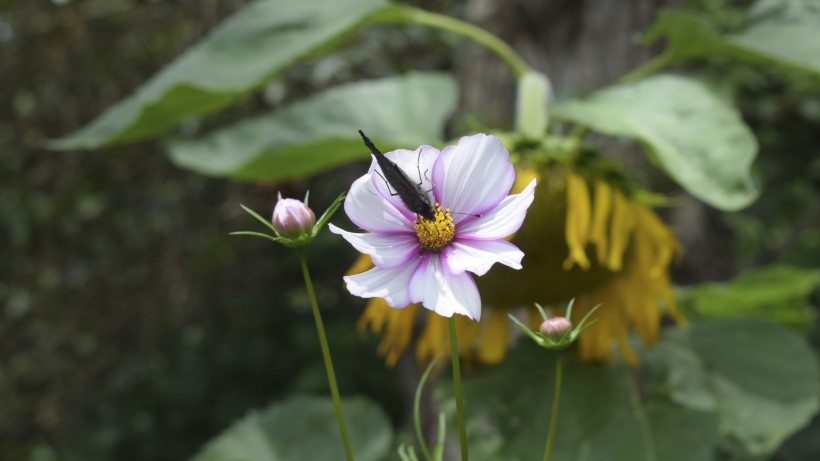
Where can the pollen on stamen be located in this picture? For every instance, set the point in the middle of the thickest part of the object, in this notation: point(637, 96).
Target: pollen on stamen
point(434, 235)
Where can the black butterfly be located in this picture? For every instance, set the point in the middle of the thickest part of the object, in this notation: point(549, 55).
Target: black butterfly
point(410, 193)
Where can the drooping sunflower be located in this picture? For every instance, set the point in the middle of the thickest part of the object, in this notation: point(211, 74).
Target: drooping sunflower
point(588, 237)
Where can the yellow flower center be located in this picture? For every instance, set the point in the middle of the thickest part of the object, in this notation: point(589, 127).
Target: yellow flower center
point(433, 235)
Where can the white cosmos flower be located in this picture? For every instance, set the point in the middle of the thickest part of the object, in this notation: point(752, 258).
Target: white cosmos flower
point(429, 262)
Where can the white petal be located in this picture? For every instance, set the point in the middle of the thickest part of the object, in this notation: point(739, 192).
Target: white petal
point(505, 219)
point(370, 211)
point(443, 293)
point(477, 256)
point(390, 284)
point(386, 250)
point(473, 176)
point(416, 164)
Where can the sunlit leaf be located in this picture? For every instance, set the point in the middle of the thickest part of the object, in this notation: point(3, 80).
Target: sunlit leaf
point(694, 136)
point(303, 428)
point(244, 52)
point(321, 132)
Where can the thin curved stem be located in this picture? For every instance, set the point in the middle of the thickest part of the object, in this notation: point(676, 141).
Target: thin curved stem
point(649, 68)
point(410, 15)
point(462, 432)
point(331, 375)
point(417, 414)
point(556, 397)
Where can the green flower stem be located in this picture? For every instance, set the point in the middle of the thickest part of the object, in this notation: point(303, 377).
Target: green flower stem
point(556, 397)
point(651, 67)
point(409, 15)
point(462, 432)
point(331, 375)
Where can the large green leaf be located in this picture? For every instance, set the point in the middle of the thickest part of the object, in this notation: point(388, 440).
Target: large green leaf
point(600, 414)
point(784, 32)
point(321, 132)
point(765, 379)
point(760, 379)
point(303, 428)
point(787, 31)
point(240, 55)
point(698, 139)
point(682, 434)
point(777, 293)
point(738, 385)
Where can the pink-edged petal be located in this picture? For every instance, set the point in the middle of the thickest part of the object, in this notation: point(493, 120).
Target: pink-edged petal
point(443, 293)
point(370, 211)
point(477, 256)
point(386, 250)
point(416, 164)
point(505, 219)
point(379, 282)
point(473, 176)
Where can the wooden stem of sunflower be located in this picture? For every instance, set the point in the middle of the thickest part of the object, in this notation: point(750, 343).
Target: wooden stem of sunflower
point(462, 432)
point(556, 397)
point(331, 375)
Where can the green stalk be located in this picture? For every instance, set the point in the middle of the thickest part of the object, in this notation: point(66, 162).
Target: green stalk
point(331, 375)
point(417, 412)
point(556, 397)
point(653, 66)
point(404, 14)
point(462, 432)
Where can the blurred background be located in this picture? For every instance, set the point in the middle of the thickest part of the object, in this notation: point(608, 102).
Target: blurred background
point(132, 327)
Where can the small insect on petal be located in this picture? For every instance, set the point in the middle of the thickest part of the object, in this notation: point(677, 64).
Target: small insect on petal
point(410, 193)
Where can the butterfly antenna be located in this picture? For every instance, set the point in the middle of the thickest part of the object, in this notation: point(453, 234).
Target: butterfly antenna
point(370, 145)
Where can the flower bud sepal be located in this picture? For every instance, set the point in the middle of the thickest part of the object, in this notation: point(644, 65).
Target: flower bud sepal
point(560, 333)
point(299, 236)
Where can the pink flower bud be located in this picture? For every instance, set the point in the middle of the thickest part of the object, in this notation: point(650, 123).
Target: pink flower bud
point(292, 217)
point(555, 327)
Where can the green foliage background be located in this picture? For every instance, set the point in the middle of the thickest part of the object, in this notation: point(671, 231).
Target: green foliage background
point(133, 328)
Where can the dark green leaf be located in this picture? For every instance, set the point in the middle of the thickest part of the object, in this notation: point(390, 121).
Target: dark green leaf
point(699, 140)
point(320, 133)
point(600, 415)
point(742, 385)
point(303, 428)
point(244, 52)
point(682, 434)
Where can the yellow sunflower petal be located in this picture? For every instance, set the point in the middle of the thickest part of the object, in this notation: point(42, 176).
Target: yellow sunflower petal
point(362, 263)
point(623, 221)
point(594, 343)
point(434, 339)
point(577, 225)
point(467, 332)
point(494, 338)
point(374, 316)
point(397, 325)
point(534, 318)
point(626, 352)
point(523, 178)
point(600, 219)
point(669, 298)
